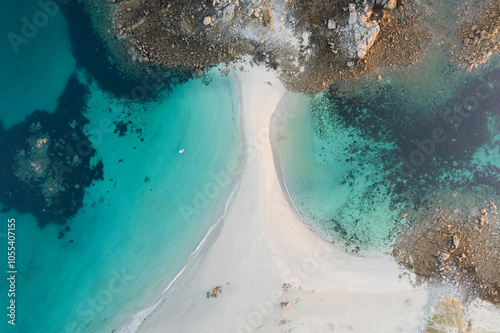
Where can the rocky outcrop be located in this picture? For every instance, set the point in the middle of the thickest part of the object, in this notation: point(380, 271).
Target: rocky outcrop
point(456, 247)
point(480, 38)
point(309, 41)
point(360, 32)
point(192, 34)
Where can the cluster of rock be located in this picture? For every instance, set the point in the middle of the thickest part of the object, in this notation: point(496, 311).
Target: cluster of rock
point(33, 167)
point(361, 29)
point(194, 34)
point(215, 292)
point(309, 41)
point(226, 10)
point(464, 251)
point(331, 55)
point(191, 34)
point(481, 38)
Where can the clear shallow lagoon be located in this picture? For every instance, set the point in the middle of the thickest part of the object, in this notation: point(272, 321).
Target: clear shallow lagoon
point(139, 225)
point(364, 167)
point(336, 178)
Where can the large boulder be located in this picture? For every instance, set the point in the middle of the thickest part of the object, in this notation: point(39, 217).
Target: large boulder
point(332, 24)
point(228, 12)
point(365, 35)
point(360, 33)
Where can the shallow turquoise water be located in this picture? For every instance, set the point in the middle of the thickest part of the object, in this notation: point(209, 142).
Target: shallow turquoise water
point(336, 179)
point(138, 226)
point(362, 170)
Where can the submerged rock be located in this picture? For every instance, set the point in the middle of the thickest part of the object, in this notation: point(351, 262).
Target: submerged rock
point(450, 247)
point(50, 162)
point(353, 15)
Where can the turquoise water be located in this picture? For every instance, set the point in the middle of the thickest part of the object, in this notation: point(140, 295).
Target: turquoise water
point(138, 225)
point(361, 170)
point(337, 179)
point(34, 72)
point(487, 157)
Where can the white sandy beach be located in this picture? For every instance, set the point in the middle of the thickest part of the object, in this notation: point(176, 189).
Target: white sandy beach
point(264, 244)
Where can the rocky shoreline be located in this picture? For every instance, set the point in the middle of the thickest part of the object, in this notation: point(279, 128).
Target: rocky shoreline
point(311, 43)
point(452, 241)
point(480, 38)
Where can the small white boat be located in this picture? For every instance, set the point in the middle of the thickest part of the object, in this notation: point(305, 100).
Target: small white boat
point(181, 151)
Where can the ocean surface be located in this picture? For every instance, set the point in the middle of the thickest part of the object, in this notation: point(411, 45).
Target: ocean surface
point(33, 77)
point(363, 167)
point(152, 184)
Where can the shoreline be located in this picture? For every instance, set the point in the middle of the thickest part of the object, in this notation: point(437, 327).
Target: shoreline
point(210, 237)
point(274, 137)
point(278, 257)
point(133, 324)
